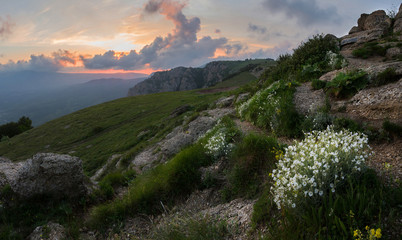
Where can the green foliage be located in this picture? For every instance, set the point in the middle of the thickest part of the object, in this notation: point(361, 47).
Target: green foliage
point(345, 85)
point(191, 228)
point(347, 123)
point(252, 159)
point(123, 126)
point(19, 218)
point(12, 129)
point(165, 183)
point(392, 128)
point(112, 181)
point(362, 201)
point(273, 109)
point(263, 209)
point(389, 75)
point(318, 84)
point(370, 49)
point(308, 61)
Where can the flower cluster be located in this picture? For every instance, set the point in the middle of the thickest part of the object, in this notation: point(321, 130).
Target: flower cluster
point(318, 164)
point(335, 60)
point(218, 140)
point(264, 108)
point(371, 234)
point(217, 145)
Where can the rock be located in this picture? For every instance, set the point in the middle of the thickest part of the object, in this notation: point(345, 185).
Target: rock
point(179, 138)
point(51, 231)
point(308, 101)
point(377, 20)
point(330, 75)
point(225, 101)
point(59, 176)
point(399, 14)
point(398, 26)
point(180, 110)
point(242, 97)
point(377, 104)
point(370, 27)
point(362, 37)
point(181, 78)
point(355, 29)
point(393, 52)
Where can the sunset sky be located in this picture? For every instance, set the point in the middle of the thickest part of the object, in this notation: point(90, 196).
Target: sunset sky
point(147, 35)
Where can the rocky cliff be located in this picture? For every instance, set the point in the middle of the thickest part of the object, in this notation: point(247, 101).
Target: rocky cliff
point(182, 78)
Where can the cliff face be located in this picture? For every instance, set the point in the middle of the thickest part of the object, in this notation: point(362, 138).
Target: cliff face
point(181, 78)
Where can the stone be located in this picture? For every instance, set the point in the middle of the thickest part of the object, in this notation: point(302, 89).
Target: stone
point(306, 100)
point(242, 97)
point(362, 20)
point(355, 29)
point(225, 101)
point(398, 25)
point(399, 14)
point(362, 37)
point(393, 52)
point(180, 110)
point(56, 175)
point(377, 20)
point(50, 231)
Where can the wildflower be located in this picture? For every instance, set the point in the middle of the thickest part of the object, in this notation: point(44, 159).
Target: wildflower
point(378, 233)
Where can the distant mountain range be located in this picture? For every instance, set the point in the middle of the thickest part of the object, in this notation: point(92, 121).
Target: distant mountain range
point(183, 78)
point(46, 96)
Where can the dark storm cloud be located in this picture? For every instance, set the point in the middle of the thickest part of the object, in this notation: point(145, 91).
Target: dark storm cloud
point(39, 63)
point(42, 63)
point(6, 27)
point(217, 31)
point(181, 47)
point(257, 29)
point(307, 12)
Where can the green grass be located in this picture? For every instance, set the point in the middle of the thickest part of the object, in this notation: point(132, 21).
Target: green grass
point(237, 80)
point(252, 159)
point(163, 184)
point(96, 133)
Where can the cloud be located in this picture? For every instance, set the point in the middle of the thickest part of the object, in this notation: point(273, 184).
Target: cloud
point(307, 12)
point(217, 31)
point(181, 47)
point(257, 29)
point(6, 27)
point(42, 63)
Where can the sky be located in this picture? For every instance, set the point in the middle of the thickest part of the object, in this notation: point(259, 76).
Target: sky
point(102, 36)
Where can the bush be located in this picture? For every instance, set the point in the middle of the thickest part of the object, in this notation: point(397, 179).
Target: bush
point(165, 183)
point(392, 128)
point(345, 85)
point(193, 228)
point(370, 49)
point(253, 157)
point(113, 180)
point(12, 129)
point(317, 165)
point(318, 84)
point(218, 141)
point(389, 75)
point(273, 109)
point(312, 55)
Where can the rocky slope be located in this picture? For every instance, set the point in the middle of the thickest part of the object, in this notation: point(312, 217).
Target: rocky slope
point(183, 78)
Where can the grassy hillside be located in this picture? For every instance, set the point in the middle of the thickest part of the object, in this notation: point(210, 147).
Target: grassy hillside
point(96, 133)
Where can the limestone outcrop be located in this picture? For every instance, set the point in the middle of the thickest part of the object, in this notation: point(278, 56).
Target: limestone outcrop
point(50, 174)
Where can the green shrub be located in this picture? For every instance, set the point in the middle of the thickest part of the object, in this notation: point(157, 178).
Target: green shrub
point(273, 109)
point(253, 157)
point(263, 208)
point(317, 121)
point(317, 165)
point(347, 123)
point(318, 84)
point(389, 75)
point(370, 49)
point(392, 128)
point(362, 201)
point(165, 183)
point(345, 85)
point(218, 141)
point(311, 55)
point(192, 228)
